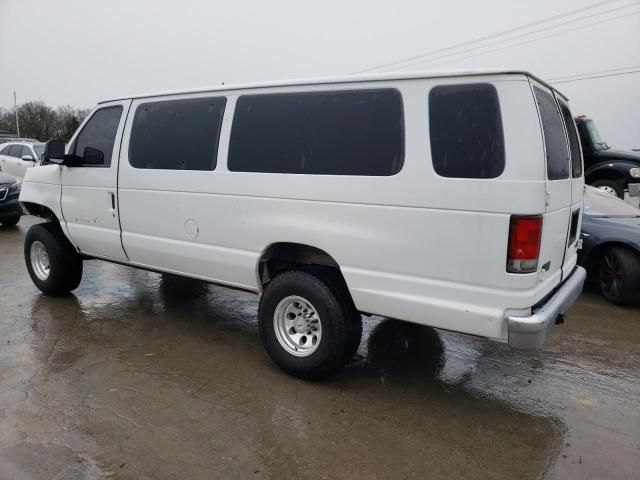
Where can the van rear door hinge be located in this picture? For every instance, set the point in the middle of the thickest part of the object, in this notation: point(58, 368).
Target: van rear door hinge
point(547, 198)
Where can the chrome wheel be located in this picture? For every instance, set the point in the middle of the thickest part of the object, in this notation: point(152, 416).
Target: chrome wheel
point(39, 260)
point(297, 326)
point(608, 189)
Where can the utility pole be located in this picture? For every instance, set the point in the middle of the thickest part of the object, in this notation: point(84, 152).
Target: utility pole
point(15, 104)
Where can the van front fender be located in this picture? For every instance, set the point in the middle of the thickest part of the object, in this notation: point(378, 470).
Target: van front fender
point(41, 192)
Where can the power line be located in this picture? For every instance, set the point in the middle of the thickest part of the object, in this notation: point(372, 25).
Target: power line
point(597, 76)
point(532, 40)
point(528, 34)
point(564, 77)
point(488, 37)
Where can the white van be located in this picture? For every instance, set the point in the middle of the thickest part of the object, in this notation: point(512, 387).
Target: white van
point(450, 200)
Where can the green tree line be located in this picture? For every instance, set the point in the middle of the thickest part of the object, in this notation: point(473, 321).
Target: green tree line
point(42, 122)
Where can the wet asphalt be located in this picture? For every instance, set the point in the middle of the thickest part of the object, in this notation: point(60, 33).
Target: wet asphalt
point(139, 375)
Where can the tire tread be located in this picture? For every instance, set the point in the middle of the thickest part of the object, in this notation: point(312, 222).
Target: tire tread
point(66, 265)
point(342, 322)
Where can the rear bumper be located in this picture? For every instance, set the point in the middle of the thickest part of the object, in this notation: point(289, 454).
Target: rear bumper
point(526, 333)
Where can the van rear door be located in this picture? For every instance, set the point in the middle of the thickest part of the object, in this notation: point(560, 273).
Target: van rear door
point(577, 186)
point(557, 252)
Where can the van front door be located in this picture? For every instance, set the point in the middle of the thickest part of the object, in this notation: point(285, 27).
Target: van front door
point(89, 185)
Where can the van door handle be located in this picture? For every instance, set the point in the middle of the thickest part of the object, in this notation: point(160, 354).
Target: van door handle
point(113, 203)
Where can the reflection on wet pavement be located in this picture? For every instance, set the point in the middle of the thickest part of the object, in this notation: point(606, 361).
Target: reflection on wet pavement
point(140, 375)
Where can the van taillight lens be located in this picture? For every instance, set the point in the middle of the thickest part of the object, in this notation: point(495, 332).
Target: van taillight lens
point(524, 244)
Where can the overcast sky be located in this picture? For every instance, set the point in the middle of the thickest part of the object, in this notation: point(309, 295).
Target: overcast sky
point(81, 51)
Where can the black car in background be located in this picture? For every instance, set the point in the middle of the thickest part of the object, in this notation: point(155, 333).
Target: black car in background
point(10, 211)
point(611, 246)
point(614, 171)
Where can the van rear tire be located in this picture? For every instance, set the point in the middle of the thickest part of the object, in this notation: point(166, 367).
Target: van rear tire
point(53, 264)
point(307, 324)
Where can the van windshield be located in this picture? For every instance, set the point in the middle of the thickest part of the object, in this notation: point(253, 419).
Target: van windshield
point(594, 136)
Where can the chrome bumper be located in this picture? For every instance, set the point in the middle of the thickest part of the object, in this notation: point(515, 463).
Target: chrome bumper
point(526, 333)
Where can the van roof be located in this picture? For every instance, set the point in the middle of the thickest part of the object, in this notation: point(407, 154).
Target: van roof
point(370, 77)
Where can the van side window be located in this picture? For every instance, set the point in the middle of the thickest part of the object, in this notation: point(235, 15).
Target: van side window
point(353, 132)
point(94, 145)
point(177, 134)
point(554, 139)
point(574, 144)
point(465, 128)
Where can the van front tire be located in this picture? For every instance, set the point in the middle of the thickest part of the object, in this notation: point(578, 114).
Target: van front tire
point(307, 324)
point(53, 264)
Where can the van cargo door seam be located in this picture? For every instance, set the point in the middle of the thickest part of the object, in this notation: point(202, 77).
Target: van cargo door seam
point(124, 126)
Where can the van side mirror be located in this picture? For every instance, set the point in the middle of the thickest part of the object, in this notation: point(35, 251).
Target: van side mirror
point(54, 152)
point(93, 156)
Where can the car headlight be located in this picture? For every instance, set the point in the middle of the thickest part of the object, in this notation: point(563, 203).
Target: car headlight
point(635, 172)
point(15, 187)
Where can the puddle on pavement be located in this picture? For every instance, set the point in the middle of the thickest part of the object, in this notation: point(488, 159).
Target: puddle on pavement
point(140, 374)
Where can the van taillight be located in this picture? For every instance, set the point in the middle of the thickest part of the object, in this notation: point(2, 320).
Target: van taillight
point(524, 244)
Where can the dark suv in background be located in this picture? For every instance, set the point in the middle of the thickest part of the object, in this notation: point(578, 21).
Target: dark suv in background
point(614, 171)
point(10, 211)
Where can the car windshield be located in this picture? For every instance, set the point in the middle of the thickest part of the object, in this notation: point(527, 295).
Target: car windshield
point(39, 148)
point(594, 136)
point(602, 204)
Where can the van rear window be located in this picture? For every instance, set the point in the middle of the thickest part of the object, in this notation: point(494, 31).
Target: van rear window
point(554, 139)
point(355, 132)
point(574, 143)
point(177, 134)
point(465, 128)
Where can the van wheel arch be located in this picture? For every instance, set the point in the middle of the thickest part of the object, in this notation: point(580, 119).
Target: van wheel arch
point(282, 256)
point(38, 210)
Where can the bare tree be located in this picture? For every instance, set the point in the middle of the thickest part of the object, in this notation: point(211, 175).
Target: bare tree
point(7, 120)
point(42, 122)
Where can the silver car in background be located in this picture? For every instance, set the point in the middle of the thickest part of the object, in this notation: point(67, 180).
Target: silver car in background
point(16, 157)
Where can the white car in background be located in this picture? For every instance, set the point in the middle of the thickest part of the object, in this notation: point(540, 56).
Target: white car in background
point(16, 157)
point(330, 198)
